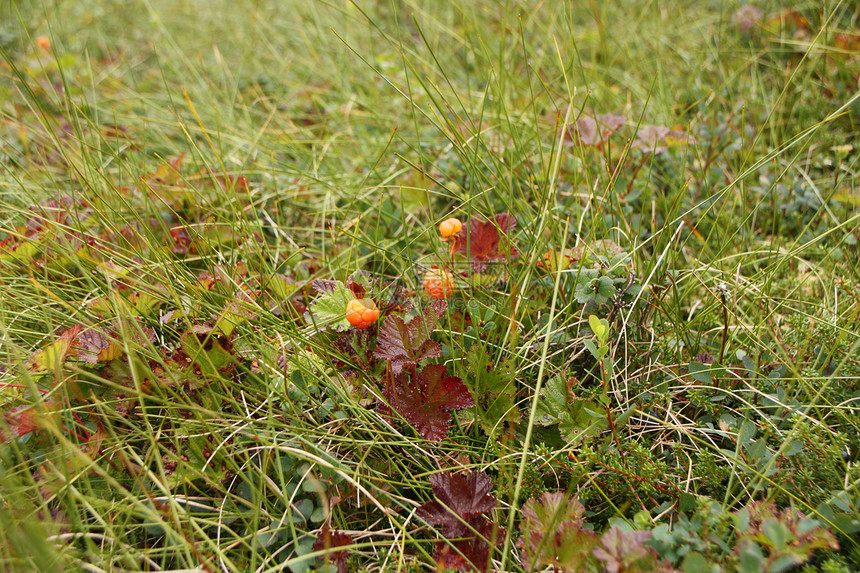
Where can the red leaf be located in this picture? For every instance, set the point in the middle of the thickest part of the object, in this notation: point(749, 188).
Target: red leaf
point(427, 403)
point(594, 131)
point(48, 212)
point(329, 539)
point(21, 420)
point(459, 498)
point(462, 501)
point(471, 553)
point(92, 347)
point(483, 243)
point(182, 241)
point(360, 283)
point(449, 559)
point(357, 289)
point(323, 285)
point(652, 139)
point(403, 343)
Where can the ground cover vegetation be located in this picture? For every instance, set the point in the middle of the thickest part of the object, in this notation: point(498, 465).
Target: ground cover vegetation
point(414, 285)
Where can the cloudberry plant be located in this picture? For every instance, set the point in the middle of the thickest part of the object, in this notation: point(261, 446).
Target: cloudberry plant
point(438, 283)
point(450, 227)
point(361, 312)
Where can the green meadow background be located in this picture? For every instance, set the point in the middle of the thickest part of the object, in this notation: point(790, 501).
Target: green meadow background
point(651, 358)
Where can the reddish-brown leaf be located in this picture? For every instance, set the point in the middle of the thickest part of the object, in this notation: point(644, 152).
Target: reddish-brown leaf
point(356, 288)
point(459, 497)
point(92, 347)
point(182, 241)
point(594, 131)
point(652, 139)
point(327, 540)
point(21, 420)
point(49, 212)
point(360, 283)
point(323, 285)
point(403, 343)
point(487, 240)
point(462, 500)
point(471, 553)
point(427, 402)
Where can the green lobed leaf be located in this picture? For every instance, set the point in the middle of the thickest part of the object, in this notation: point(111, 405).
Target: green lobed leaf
point(329, 308)
point(606, 288)
point(576, 418)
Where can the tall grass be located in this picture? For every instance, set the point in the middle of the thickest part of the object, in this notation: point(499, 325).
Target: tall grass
point(175, 176)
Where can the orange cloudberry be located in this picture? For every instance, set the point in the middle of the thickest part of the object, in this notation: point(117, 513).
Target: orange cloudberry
point(438, 283)
point(450, 227)
point(361, 312)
